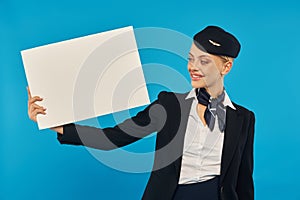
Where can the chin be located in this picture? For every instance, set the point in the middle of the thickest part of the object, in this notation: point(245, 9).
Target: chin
point(197, 84)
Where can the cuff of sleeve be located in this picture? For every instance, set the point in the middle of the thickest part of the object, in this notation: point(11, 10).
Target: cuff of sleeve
point(69, 136)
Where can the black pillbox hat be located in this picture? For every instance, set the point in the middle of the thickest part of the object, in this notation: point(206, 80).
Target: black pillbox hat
point(215, 40)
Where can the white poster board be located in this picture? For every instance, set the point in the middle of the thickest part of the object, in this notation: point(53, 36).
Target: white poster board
point(86, 77)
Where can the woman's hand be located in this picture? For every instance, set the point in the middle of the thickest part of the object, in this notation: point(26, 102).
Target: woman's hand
point(34, 110)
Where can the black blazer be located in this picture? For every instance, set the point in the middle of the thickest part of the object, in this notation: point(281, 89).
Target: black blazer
point(168, 116)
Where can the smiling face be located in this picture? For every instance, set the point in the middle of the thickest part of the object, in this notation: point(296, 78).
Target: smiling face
point(207, 70)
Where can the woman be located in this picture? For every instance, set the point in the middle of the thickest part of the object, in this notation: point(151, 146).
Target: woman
point(204, 145)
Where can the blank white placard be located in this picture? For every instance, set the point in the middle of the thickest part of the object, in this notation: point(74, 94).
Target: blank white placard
point(86, 77)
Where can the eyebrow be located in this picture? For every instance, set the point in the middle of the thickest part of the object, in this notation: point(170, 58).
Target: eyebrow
point(202, 56)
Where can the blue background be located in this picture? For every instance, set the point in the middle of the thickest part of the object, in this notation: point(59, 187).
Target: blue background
point(33, 165)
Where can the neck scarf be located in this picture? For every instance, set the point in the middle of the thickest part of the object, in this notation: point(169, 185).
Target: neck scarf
point(214, 107)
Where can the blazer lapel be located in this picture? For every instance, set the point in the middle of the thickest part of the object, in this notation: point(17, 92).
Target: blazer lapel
point(233, 129)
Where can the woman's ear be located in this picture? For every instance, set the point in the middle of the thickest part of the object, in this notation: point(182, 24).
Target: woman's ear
point(227, 67)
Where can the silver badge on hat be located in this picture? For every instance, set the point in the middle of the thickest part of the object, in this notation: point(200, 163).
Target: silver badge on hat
point(214, 43)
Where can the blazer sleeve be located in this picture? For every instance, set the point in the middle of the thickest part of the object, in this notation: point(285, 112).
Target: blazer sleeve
point(144, 123)
point(245, 185)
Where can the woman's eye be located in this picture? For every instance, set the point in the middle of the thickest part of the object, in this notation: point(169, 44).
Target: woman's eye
point(204, 62)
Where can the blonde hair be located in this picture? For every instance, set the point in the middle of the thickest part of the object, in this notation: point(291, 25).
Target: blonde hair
point(226, 59)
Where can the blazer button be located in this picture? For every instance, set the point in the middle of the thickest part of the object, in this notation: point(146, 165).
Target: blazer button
point(222, 189)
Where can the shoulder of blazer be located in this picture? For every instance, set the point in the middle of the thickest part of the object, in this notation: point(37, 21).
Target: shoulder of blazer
point(247, 114)
point(242, 109)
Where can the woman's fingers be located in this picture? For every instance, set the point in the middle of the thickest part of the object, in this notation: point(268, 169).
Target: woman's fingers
point(38, 111)
point(34, 105)
point(34, 99)
point(35, 112)
point(33, 108)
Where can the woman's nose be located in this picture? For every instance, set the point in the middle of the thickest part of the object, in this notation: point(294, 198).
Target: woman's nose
point(193, 66)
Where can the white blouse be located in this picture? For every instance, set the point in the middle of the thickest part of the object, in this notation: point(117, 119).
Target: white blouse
point(202, 149)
